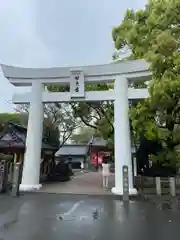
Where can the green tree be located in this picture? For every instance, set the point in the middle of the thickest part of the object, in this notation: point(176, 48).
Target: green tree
point(84, 135)
point(50, 130)
point(17, 118)
point(99, 116)
point(96, 115)
point(59, 122)
point(153, 33)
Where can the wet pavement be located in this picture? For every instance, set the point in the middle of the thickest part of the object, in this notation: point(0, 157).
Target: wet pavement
point(53, 216)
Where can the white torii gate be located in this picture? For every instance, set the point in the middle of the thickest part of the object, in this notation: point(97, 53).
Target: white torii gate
point(119, 73)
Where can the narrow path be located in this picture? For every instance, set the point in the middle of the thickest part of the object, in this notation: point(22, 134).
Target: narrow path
point(84, 183)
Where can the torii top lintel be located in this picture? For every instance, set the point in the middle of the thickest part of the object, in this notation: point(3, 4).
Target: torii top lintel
point(132, 70)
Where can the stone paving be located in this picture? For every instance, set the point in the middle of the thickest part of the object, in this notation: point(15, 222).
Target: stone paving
point(81, 183)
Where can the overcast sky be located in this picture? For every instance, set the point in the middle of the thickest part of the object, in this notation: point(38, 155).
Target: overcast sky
point(46, 33)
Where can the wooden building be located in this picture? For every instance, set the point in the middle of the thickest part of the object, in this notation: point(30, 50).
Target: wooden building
point(76, 153)
point(13, 142)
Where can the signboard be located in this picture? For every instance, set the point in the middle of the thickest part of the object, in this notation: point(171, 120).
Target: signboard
point(2, 166)
point(16, 179)
point(77, 84)
point(125, 183)
point(3, 175)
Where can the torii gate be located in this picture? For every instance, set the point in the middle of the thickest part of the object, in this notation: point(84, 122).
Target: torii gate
point(119, 73)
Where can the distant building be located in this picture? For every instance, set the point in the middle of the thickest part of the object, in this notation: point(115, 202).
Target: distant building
point(92, 152)
point(75, 153)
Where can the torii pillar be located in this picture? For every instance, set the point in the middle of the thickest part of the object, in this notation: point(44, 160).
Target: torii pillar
point(32, 157)
point(122, 141)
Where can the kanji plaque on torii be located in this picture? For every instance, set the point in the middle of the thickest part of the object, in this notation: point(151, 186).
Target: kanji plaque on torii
point(77, 84)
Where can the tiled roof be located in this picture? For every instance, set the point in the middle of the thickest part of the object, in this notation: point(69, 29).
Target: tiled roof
point(72, 149)
point(14, 136)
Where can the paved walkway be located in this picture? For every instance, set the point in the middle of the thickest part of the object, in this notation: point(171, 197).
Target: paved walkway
point(81, 183)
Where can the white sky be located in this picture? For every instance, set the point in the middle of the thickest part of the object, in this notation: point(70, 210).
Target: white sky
point(46, 33)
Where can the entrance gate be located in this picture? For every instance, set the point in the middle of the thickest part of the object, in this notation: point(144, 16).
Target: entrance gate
point(119, 73)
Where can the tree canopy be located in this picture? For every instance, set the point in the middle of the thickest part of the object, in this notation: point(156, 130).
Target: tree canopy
point(153, 33)
point(96, 115)
point(17, 118)
point(50, 131)
point(59, 121)
point(84, 135)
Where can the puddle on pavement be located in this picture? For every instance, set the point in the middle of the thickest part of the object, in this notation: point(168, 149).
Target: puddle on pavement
point(9, 224)
point(95, 214)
